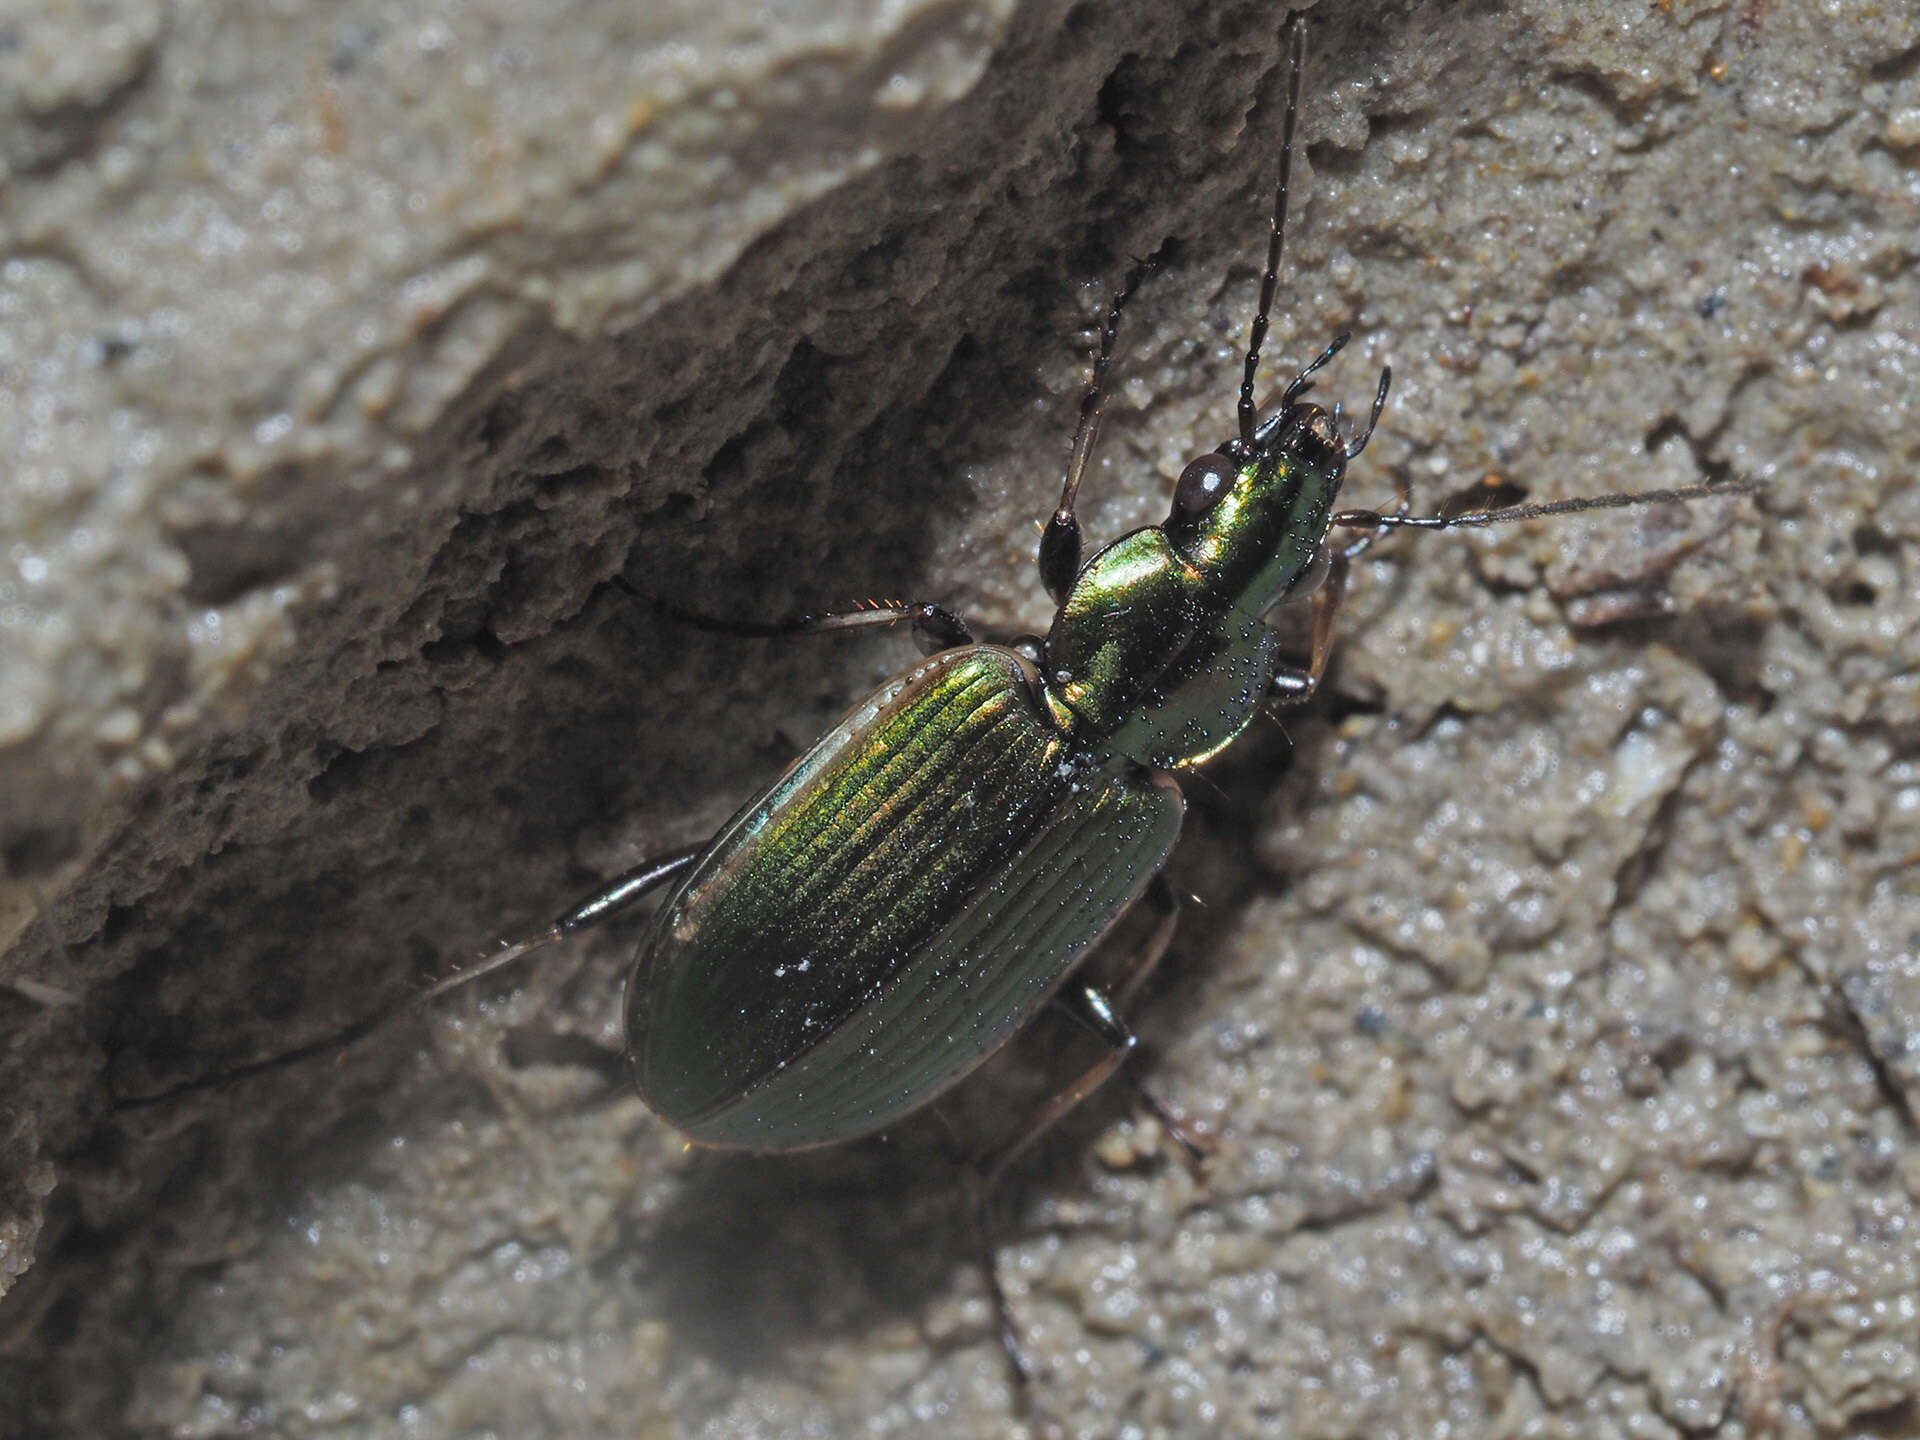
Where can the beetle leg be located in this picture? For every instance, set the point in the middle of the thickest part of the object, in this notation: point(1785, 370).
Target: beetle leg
point(1089, 1007)
point(1093, 1009)
point(609, 901)
point(1375, 521)
point(990, 1267)
point(1403, 504)
point(936, 627)
point(1132, 974)
point(1292, 686)
point(1138, 966)
point(1060, 543)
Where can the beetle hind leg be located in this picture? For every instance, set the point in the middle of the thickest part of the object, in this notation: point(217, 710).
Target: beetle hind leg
point(1089, 1007)
point(603, 904)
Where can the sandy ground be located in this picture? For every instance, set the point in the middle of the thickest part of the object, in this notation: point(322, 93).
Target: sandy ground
point(1552, 984)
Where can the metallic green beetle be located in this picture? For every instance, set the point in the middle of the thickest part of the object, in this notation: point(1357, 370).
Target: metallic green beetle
point(930, 874)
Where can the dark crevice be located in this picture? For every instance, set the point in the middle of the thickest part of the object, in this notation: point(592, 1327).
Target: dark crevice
point(1897, 66)
point(28, 849)
point(1727, 645)
point(1899, 1420)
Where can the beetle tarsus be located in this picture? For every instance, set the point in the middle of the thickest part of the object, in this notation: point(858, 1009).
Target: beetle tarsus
point(1195, 1142)
point(603, 904)
point(335, 1043)
point(1017, 1361)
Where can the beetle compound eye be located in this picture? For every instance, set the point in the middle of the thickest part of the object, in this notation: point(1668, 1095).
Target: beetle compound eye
point(1203, 485)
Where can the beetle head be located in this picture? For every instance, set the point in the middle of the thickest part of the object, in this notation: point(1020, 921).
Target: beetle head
point(1252, 519)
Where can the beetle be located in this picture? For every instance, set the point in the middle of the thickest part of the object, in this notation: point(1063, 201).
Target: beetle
point(930, 874)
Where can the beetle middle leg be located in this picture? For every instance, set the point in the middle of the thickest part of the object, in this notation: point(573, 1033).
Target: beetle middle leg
point(1132, 975)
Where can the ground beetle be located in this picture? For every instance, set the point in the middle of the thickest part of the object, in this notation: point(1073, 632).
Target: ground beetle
point(929, 875)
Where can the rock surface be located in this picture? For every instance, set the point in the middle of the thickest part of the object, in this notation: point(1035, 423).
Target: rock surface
point(1555, 989)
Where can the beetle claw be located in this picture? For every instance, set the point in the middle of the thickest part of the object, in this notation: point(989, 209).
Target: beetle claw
point(1188, 1134)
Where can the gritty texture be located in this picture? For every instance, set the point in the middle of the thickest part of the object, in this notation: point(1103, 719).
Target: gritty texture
point(1554, 987)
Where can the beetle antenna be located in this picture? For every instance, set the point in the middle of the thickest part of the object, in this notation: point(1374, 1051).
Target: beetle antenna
point(1375, 521)
point(1059, 557)
point(1379, 404)
point(1276, 230)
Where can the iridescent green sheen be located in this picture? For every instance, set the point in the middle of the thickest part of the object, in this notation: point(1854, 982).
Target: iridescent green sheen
point(1135, 606)
point(1205, 699)
point(1159, 651)
point(1263, 534)
point(884, 916)
point(877, 923)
